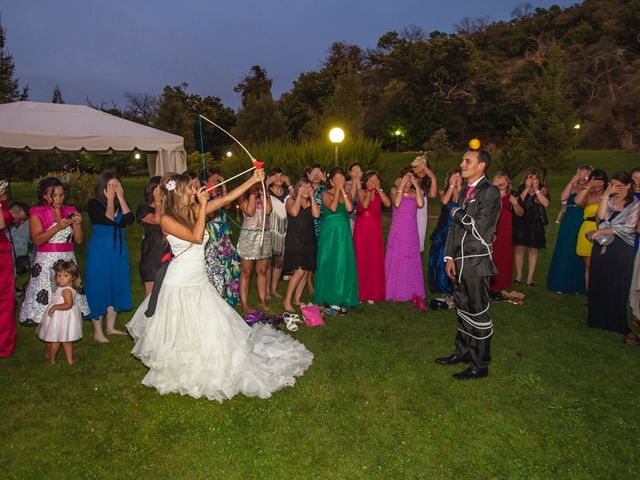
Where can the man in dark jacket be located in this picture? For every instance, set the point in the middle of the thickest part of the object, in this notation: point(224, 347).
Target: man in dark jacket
point(469, 264)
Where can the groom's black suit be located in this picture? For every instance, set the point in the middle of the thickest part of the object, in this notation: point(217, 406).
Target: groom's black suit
point(469, 242)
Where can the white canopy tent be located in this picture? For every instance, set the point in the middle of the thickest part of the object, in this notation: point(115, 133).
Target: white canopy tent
point(73, 128)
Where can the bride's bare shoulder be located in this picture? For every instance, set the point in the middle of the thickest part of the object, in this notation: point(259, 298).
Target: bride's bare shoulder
point(169, 225)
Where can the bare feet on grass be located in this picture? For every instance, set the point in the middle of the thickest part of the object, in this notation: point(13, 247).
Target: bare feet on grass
point(246, 309)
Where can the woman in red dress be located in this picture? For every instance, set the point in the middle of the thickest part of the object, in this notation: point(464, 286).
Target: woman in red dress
point(503, 250)
point(367, 238)
point(7, 286)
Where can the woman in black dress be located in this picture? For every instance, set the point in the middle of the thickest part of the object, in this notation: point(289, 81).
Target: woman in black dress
point(612, 255)
point(152, 245)
point(300, 245)
point(528, 230)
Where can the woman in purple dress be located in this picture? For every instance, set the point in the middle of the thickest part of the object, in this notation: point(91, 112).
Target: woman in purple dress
point(403, 263)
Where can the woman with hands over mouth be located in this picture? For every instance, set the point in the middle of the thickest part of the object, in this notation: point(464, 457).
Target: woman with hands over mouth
point(404, 274)
point(336, 279)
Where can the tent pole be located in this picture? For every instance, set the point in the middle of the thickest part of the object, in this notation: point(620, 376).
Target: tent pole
point(204, 173)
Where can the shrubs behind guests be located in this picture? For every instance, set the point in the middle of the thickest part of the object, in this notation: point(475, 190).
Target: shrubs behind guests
point(294, 157)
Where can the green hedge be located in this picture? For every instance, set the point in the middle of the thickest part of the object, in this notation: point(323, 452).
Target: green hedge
point(294, 157)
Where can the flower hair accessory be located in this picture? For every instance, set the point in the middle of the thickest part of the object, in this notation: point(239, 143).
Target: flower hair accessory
point(171, 185)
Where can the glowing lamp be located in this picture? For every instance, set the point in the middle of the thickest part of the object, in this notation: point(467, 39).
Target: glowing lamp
point(336, 135)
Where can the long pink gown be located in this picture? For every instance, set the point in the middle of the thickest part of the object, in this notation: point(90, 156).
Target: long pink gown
point(403, 263)
point(7, 292)
point(369, 249)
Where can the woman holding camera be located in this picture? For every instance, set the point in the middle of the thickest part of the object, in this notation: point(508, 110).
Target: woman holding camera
point(54, 228)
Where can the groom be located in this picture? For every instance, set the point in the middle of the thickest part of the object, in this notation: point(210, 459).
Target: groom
point(470, 266)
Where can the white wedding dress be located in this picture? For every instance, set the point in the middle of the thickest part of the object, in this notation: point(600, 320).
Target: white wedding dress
point(196, 344)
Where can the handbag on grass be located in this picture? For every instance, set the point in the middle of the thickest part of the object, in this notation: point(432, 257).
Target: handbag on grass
point(311, 314)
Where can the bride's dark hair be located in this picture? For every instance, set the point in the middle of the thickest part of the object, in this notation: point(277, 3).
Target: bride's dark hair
point(174, 190)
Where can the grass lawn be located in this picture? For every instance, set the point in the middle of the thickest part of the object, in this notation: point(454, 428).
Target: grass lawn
point(558, 402)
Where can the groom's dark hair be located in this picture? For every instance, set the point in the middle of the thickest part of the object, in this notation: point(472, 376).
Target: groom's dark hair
point(484, 157)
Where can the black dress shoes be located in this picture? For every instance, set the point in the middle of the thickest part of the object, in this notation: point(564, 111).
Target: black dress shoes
point(471, 373)
point(451, 359)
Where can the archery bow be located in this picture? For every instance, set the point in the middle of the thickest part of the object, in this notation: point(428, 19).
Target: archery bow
point(256, 165)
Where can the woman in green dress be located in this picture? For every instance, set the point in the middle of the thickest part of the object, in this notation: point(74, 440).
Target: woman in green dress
point(336, 279)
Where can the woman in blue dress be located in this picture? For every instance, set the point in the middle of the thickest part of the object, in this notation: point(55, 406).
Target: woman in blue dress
point(436, 275)
point(108, 285)
point(566, 271)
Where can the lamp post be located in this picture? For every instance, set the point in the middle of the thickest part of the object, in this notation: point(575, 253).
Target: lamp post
point(336, 135)
point(398, 134)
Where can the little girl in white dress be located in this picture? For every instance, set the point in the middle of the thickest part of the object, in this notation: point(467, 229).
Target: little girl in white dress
point(61, 322)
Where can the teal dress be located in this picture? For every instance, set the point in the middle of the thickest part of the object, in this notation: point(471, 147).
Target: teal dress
point(566, 271)
point(336, 279)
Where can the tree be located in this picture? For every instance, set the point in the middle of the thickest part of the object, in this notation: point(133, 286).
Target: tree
point(548, 136)
point(606, 74)
point(438, 147)
point(471, 26)
point(178, 112)
point(260, 120)
point(303, 104)
point(173, 114)
point(343, 58)
point(345, 107)
point(521, 11)
point(57, 95)
point(9, 86)
point(141, 108)
point(214, 141)
point(256, 84)
point(512, 158)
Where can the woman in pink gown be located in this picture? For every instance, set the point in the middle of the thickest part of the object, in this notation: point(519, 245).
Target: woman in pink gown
point(367, 238)
point(7, 292)
point(403, 263)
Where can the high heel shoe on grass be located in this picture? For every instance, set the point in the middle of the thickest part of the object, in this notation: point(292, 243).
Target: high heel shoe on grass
point(414, 300)
point(291, 320)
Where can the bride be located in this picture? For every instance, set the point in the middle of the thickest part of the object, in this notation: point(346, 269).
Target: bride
point(195, 343)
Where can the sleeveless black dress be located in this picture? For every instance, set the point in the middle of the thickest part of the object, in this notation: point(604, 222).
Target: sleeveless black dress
point(300, 245)
point(152, 247)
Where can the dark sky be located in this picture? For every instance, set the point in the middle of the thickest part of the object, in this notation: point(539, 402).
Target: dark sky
point(103, 48)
